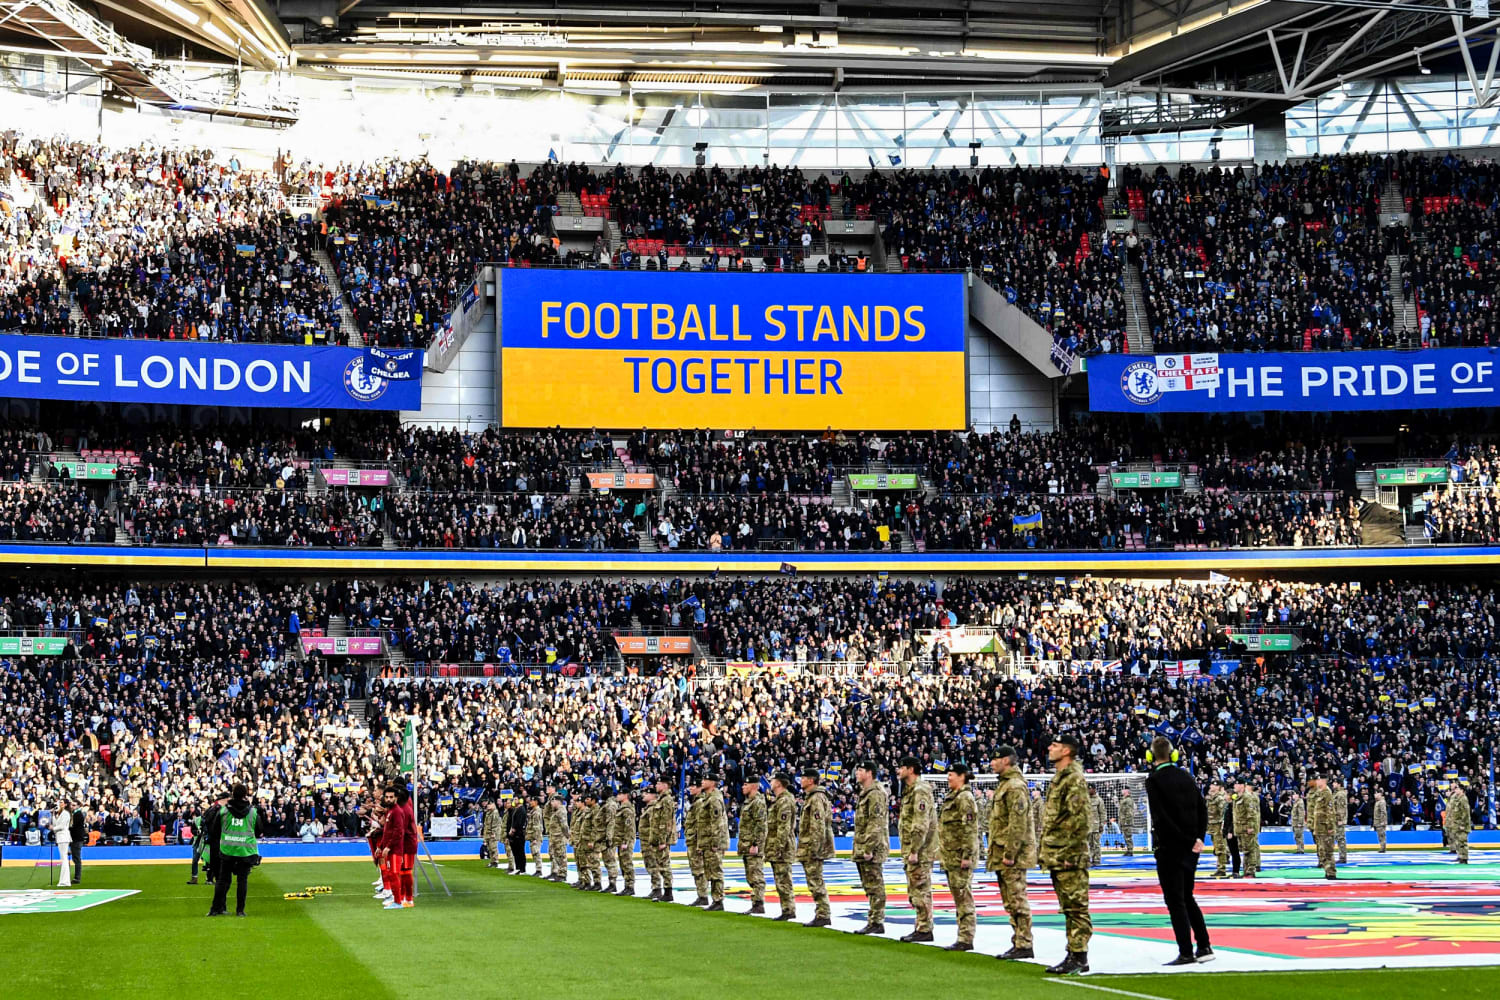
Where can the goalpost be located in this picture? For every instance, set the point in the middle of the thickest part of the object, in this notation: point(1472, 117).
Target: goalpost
point(1110, 786)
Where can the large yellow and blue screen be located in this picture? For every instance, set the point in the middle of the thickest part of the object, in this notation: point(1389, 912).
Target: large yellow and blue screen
point(624, 349)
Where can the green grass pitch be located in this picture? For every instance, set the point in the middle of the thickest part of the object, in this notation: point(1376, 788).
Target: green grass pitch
point(512, 936)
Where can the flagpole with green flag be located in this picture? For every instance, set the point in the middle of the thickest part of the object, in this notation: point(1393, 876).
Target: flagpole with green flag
point(409, 767)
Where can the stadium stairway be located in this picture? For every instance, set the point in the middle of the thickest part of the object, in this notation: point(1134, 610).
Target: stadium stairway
point(1404, 309)
point(1381, 526)
point(1137, 327)
point(338, 625)
point(347, 325)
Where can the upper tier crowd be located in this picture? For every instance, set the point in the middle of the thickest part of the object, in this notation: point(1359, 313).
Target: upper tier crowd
point(167, 691)
point(153, 242)
point(1288, 483)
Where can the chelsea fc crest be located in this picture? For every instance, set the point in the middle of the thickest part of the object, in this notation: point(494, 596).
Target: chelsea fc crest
point(364, 384)
point(1138, 382)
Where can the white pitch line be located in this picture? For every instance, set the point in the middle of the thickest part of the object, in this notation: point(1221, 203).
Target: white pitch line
point(1102, 989)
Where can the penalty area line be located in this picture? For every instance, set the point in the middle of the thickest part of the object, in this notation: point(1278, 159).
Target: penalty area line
point(1103, 989)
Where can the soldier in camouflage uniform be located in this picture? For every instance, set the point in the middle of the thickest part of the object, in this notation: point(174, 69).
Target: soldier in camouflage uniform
point(1298, 820)
point(1320, 817)
point(1458, 821)
point(534, 830)
point(1036, 815)
point(982, 800)
point(1012, 848)
point(489, 834)
point(918, 841)
point(1247, 824)
point(609, 811)
point(1341, 818)
point(556, 825)
point(1096, 827)
point(586, 841)
point(1218, 805)
point(713, 837)
point(690, 835)
point(622, 837)
point(1065, 849)
point(1128, 818)
point(657, 828)
point(872, 844)
point(751, 842)
point(1380, 817)
point(507, 807)
point(958, 843)
point(781, 842)
point(815, 844)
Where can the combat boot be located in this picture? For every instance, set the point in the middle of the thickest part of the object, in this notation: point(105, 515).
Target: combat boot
point(626, 890)
point(655, 894)
point(785, 916)
point(1017, 953)
point(699, 901)
point(917, 936)
point(666, 894)
point(960, 946)
point(613, 888)
point(717, 906)
point(757, 907)
point(877, 929)
point(1077, 961)
point(866, 929)
point(818, 922)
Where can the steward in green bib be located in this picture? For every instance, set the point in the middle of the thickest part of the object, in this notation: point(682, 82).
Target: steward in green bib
point(235, 829)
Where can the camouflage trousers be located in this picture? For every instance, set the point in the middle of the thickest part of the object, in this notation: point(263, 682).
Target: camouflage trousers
point(1251, 847)
point(1096, 851)
point(487, 851)
point(557, 853)
point(1072, 888)
point(1326, 848)
point(1013, 895)
point(1380, 838)
point(536, 855)
point(611, 861)
point(781, 871)
point(812, 871)
point(500, 853)
point(588, 865)
point(713, 873)
point(625, 865)
point(872, 880)
point(960, 886)
point(1221, 854)
point(1128, 836)
point(919, 893)
point(1343, 845)
point(755, 876)
point(657, 862)
point(695, 865)
point(1458, 843)
point(1297, 838)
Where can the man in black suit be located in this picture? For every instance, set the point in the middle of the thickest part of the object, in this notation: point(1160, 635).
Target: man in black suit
point(515, 836)
point(1179, 819)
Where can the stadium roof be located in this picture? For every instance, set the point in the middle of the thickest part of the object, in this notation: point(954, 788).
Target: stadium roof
point(1205, 61)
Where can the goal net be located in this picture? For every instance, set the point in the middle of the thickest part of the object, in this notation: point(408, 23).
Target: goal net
point(1112, 788)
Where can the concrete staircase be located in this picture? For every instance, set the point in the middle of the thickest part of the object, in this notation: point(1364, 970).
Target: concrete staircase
point(843, 496)
point(614, 236)
point(347, 325)
point(1403, 309)
point(1137, 328)
point(338, 626)
point(568, 203)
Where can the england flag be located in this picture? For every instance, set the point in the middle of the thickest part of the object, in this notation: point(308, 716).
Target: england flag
point(1181, 372)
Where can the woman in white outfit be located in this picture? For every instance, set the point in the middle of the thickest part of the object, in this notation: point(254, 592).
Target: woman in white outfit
point(62, 832)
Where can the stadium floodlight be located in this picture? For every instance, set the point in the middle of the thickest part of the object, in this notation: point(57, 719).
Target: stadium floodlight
point(974, 148)
point(700, 148)
point(1422, 68)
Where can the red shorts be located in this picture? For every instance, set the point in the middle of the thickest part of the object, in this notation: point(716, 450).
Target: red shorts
point(402, 864)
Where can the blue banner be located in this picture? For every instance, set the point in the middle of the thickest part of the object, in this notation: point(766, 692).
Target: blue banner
point(1437, 378)
point(200, 373)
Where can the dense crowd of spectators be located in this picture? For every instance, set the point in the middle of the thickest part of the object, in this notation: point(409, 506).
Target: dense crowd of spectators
point(169, 690)
point(512, 521)
point(188, 515)
point(42, 513)
point(1287, 257)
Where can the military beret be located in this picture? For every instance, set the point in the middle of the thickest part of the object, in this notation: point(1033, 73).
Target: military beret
point(1068, 740)
point(810, 772)
point(784, 777)
point(868, 765)
point(751, 778)
point(912, 763)
point(1004, 750)
point(959, 767)
point(709, 776)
